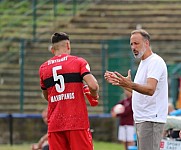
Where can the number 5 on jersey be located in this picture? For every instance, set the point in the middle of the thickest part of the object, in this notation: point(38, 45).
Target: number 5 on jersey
point(61, 86)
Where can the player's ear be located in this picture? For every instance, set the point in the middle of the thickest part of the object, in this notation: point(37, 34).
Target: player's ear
point(52, 50)
point(68, 45)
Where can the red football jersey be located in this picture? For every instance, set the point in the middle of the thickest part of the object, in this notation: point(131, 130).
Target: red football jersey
point(62, 77)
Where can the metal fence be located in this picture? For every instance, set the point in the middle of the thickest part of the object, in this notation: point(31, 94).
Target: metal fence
point(117, 56)
point(34, 13)
point(20, 67)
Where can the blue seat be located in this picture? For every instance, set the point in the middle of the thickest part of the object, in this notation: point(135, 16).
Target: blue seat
point(176, 113)
point(132, 147)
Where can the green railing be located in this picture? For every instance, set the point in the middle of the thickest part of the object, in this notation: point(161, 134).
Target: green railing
point(21, 62)
point(116, 56)
point(32, 14)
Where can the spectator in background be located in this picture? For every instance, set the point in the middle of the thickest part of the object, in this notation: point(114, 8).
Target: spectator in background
point(126, 129)
point(43, 142)
point(170, 108)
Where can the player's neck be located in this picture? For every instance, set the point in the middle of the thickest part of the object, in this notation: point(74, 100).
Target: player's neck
point(57, 53)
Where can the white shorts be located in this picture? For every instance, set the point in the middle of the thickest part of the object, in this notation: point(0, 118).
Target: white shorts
point(126, 133)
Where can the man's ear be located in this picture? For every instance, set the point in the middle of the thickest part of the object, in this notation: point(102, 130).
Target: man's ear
point(52, 50)
point(147, 43)
point(68, 45)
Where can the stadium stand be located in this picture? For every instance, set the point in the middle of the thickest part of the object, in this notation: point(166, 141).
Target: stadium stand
point(102, 20)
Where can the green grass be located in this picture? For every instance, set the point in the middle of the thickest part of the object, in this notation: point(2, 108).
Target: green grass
point(97, 146)
point(15, 147)
point(107, 146)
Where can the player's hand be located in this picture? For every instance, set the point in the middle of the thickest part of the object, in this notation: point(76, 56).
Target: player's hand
point(93, 100)
point(35, 147)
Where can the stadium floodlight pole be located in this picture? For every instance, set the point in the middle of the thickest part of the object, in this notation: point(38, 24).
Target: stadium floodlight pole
point(21, 63)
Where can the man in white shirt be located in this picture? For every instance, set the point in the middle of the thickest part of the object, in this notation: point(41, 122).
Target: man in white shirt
point(149, 91)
